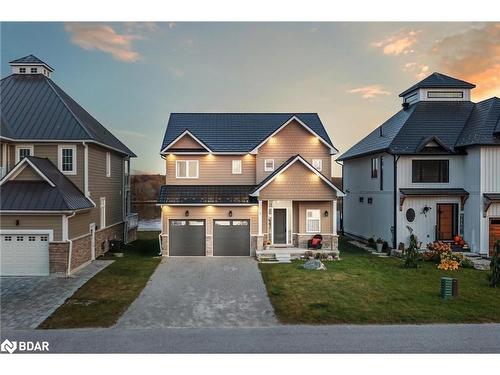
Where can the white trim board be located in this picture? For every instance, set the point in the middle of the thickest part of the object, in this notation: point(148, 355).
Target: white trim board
point(19, 168)
point(310, 167)
point(185, 132)
point(333, 150)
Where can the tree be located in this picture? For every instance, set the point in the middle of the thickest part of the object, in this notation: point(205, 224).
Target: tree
point(411, 254)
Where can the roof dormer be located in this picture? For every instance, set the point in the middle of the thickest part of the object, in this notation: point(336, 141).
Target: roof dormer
point(30, 65)
point(437, 87)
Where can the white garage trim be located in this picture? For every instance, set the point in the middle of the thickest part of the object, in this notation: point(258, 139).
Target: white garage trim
point(50, 232)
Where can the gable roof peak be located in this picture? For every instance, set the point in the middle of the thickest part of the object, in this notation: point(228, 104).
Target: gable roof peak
point(30, 60)
point(439, 80)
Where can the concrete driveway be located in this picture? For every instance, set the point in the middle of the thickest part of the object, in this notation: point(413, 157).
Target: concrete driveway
point(27, 301)
point(202, 292)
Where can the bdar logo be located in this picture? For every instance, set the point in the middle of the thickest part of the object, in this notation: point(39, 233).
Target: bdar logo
point(8, 346)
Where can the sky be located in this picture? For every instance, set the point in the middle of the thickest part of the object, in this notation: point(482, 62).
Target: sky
point(130, 76)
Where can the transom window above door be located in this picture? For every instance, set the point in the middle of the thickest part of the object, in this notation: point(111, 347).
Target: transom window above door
point(186, 169)
point(67, 159)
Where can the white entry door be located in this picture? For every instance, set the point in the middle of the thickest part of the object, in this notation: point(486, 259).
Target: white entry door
point(24, 254)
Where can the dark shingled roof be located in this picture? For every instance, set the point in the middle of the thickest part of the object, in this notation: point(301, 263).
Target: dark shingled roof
point(483, 123)
point(438, 81)
point(39, 195)
point(235, 132)
point(34, 107)
point(30, 59)
point(206, 194)
point(433, 191)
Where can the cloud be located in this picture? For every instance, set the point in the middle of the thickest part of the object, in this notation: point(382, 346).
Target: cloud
point(472, 55)
point(369, 92)
point(129, 133)
point(104, 38)
point(400, 43)
point(179, 73)
point(421, 71)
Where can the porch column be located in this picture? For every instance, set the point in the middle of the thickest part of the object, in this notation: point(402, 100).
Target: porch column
point(260, 217)
point(334, 217)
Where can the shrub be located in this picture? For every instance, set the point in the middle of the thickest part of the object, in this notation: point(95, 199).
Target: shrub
point(448, 265)
point(411, 254)
point(386, 248)
point(431, 256)
point(371, 242)
point(494, 276)
point(466, 263)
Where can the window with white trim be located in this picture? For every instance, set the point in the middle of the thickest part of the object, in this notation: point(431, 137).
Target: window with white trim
point(269, 165)
point(313, 221)
point(318, 164)
point(108, 164)
point(34, 70)
point(374, 167)
point(186, 169)
point(67, 159)
point(102, 212)
point(236, 167)
point(22, 151)
point(22, 70)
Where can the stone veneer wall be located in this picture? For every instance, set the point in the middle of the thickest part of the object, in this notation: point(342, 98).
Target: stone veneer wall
point(132, 234)
point(81, 252)
point(330, 242)
point(103, 236)
point(58, 257)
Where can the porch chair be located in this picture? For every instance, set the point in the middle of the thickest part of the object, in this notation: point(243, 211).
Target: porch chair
point(316, 242)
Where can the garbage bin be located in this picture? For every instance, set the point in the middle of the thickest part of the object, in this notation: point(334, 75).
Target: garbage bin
point(449, 287)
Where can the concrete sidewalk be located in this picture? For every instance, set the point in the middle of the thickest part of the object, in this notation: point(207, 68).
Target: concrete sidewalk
point(438, 338)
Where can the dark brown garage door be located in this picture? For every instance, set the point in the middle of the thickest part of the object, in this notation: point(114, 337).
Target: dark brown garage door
point(187, 237)
point(232, 237)
point(494, 233)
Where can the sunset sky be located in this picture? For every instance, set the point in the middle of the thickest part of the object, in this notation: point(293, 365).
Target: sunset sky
point(130, 76)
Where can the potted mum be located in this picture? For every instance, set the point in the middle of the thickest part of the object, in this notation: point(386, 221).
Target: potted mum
point(267, 244)
point(379, 243)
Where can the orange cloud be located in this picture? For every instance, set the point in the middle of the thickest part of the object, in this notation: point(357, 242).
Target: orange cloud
point(369, 92)
point(472, 55)
point(400, 43)
point(104, 38)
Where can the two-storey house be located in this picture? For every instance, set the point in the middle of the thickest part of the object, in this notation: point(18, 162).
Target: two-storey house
point(65, 187)
point(235, 181)
point(434, 166)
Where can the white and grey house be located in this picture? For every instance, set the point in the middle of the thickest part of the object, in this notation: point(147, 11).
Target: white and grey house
point(433, 166)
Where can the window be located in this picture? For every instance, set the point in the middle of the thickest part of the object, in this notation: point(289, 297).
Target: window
point(318, 164)
point(236, 166)
point(22, 151)
point(313, 223)
point(445, 94)
point(20, 238)
point(44, 238)
point(126, 167)
point(8, 238)
point(186, 169)
point(34, 70)
point(269, 165)
point(369, 200)
point(103, 212)
point(108, 164)
point(67, 159)
point(22, 70)
point(374, 165)
point(31, 238)
point(361, 199)
point(429, 171)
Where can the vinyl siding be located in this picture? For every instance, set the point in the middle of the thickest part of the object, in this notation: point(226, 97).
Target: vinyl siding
point(53, 222)
point(28, 174)
point(78, 225)
point(209, 213)
point(293, 139)
point(297, 183)
point(213, 170)
point(186, 142)
point(326, 222)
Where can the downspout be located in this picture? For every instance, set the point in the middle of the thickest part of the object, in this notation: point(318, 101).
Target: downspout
point(161, 230)
point(396, 202)
point(86, 169)
point(70, 252)
point(342, 210)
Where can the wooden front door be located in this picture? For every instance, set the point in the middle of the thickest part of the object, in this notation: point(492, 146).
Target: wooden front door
point(494, 234)
point(447, 217)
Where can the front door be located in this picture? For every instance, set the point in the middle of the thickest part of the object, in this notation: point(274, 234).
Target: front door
point(279, 226)
point(447, 217)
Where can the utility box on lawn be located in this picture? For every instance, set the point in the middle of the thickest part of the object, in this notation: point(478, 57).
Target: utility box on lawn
point(449, 288)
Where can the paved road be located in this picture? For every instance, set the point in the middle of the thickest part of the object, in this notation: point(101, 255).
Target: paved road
point(202, 292)
point(460, 338)
point(27, 301)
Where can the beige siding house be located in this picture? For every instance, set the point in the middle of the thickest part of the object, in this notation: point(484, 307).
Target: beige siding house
point(239, 182)
point(64, 192)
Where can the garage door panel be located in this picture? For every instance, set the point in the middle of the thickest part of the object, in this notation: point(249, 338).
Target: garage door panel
point(231, 237)
point(187, 237)
point(24, 255)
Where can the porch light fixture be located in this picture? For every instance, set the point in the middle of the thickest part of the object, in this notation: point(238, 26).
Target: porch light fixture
point(17, 222)
point(186, 213)
point(230, 213)
point(326, 213)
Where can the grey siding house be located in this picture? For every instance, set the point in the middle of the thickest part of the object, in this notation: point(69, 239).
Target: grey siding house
point(434, 166)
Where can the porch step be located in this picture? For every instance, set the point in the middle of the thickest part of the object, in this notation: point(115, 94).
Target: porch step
point(283, 257)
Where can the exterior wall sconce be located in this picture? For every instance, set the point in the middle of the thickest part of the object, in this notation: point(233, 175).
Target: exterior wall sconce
point(17, 222)
point(326, 213)
point(230, 213)
point(186, 213)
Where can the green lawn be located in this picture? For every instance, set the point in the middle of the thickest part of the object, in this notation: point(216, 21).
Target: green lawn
point(364, 289)
point(102, 300)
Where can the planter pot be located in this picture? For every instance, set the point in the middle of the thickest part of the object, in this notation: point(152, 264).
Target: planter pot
point(379, 247)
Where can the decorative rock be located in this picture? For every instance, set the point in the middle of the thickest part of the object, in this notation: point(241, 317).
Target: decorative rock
point(314, 264)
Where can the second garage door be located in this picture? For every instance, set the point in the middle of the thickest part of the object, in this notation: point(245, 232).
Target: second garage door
point(24, 254)
point(232, 237)
point(187, 237)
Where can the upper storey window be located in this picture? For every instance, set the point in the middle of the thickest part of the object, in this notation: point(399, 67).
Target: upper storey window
point(186, 169)
point(269, 165)
point(236, 167)
point(22, 151)
point(445, 94)
point(67, 159)
point(34, 70)
point(374, 167)
point(430, 171)
point(22, 70)
point(318, 164)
